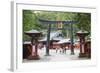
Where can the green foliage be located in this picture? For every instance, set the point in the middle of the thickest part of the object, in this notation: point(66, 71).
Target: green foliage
point(30, 21)
point(84, 21)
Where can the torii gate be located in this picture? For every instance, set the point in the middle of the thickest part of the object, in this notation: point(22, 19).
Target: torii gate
point(48, 22)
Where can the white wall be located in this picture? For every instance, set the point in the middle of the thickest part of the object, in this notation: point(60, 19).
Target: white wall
point(5, 34)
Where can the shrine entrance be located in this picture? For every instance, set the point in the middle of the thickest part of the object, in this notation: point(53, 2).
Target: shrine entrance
point(37, 46)
point(49, 23)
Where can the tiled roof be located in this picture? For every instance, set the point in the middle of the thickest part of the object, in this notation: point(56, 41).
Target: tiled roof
point(53, 36)
point(32, 31)
point(64, 41)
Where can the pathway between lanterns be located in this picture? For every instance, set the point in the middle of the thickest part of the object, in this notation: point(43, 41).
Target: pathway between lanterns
point(54, 57)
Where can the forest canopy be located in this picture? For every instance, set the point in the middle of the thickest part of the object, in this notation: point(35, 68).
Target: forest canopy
point(30, 21)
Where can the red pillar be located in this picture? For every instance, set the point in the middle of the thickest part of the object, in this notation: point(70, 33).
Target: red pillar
point(36, 48)
point(82, 46)
point(34, 55)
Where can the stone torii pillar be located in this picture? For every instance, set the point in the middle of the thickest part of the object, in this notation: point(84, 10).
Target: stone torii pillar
point(48, 40)
point(72, 41)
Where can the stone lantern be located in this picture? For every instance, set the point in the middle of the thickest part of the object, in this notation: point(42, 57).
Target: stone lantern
point(82, 34)
point(34, 34)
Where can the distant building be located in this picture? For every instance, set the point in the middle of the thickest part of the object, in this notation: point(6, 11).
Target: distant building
point(54, 37)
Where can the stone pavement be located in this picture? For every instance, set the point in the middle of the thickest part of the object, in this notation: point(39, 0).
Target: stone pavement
point(54, 57)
